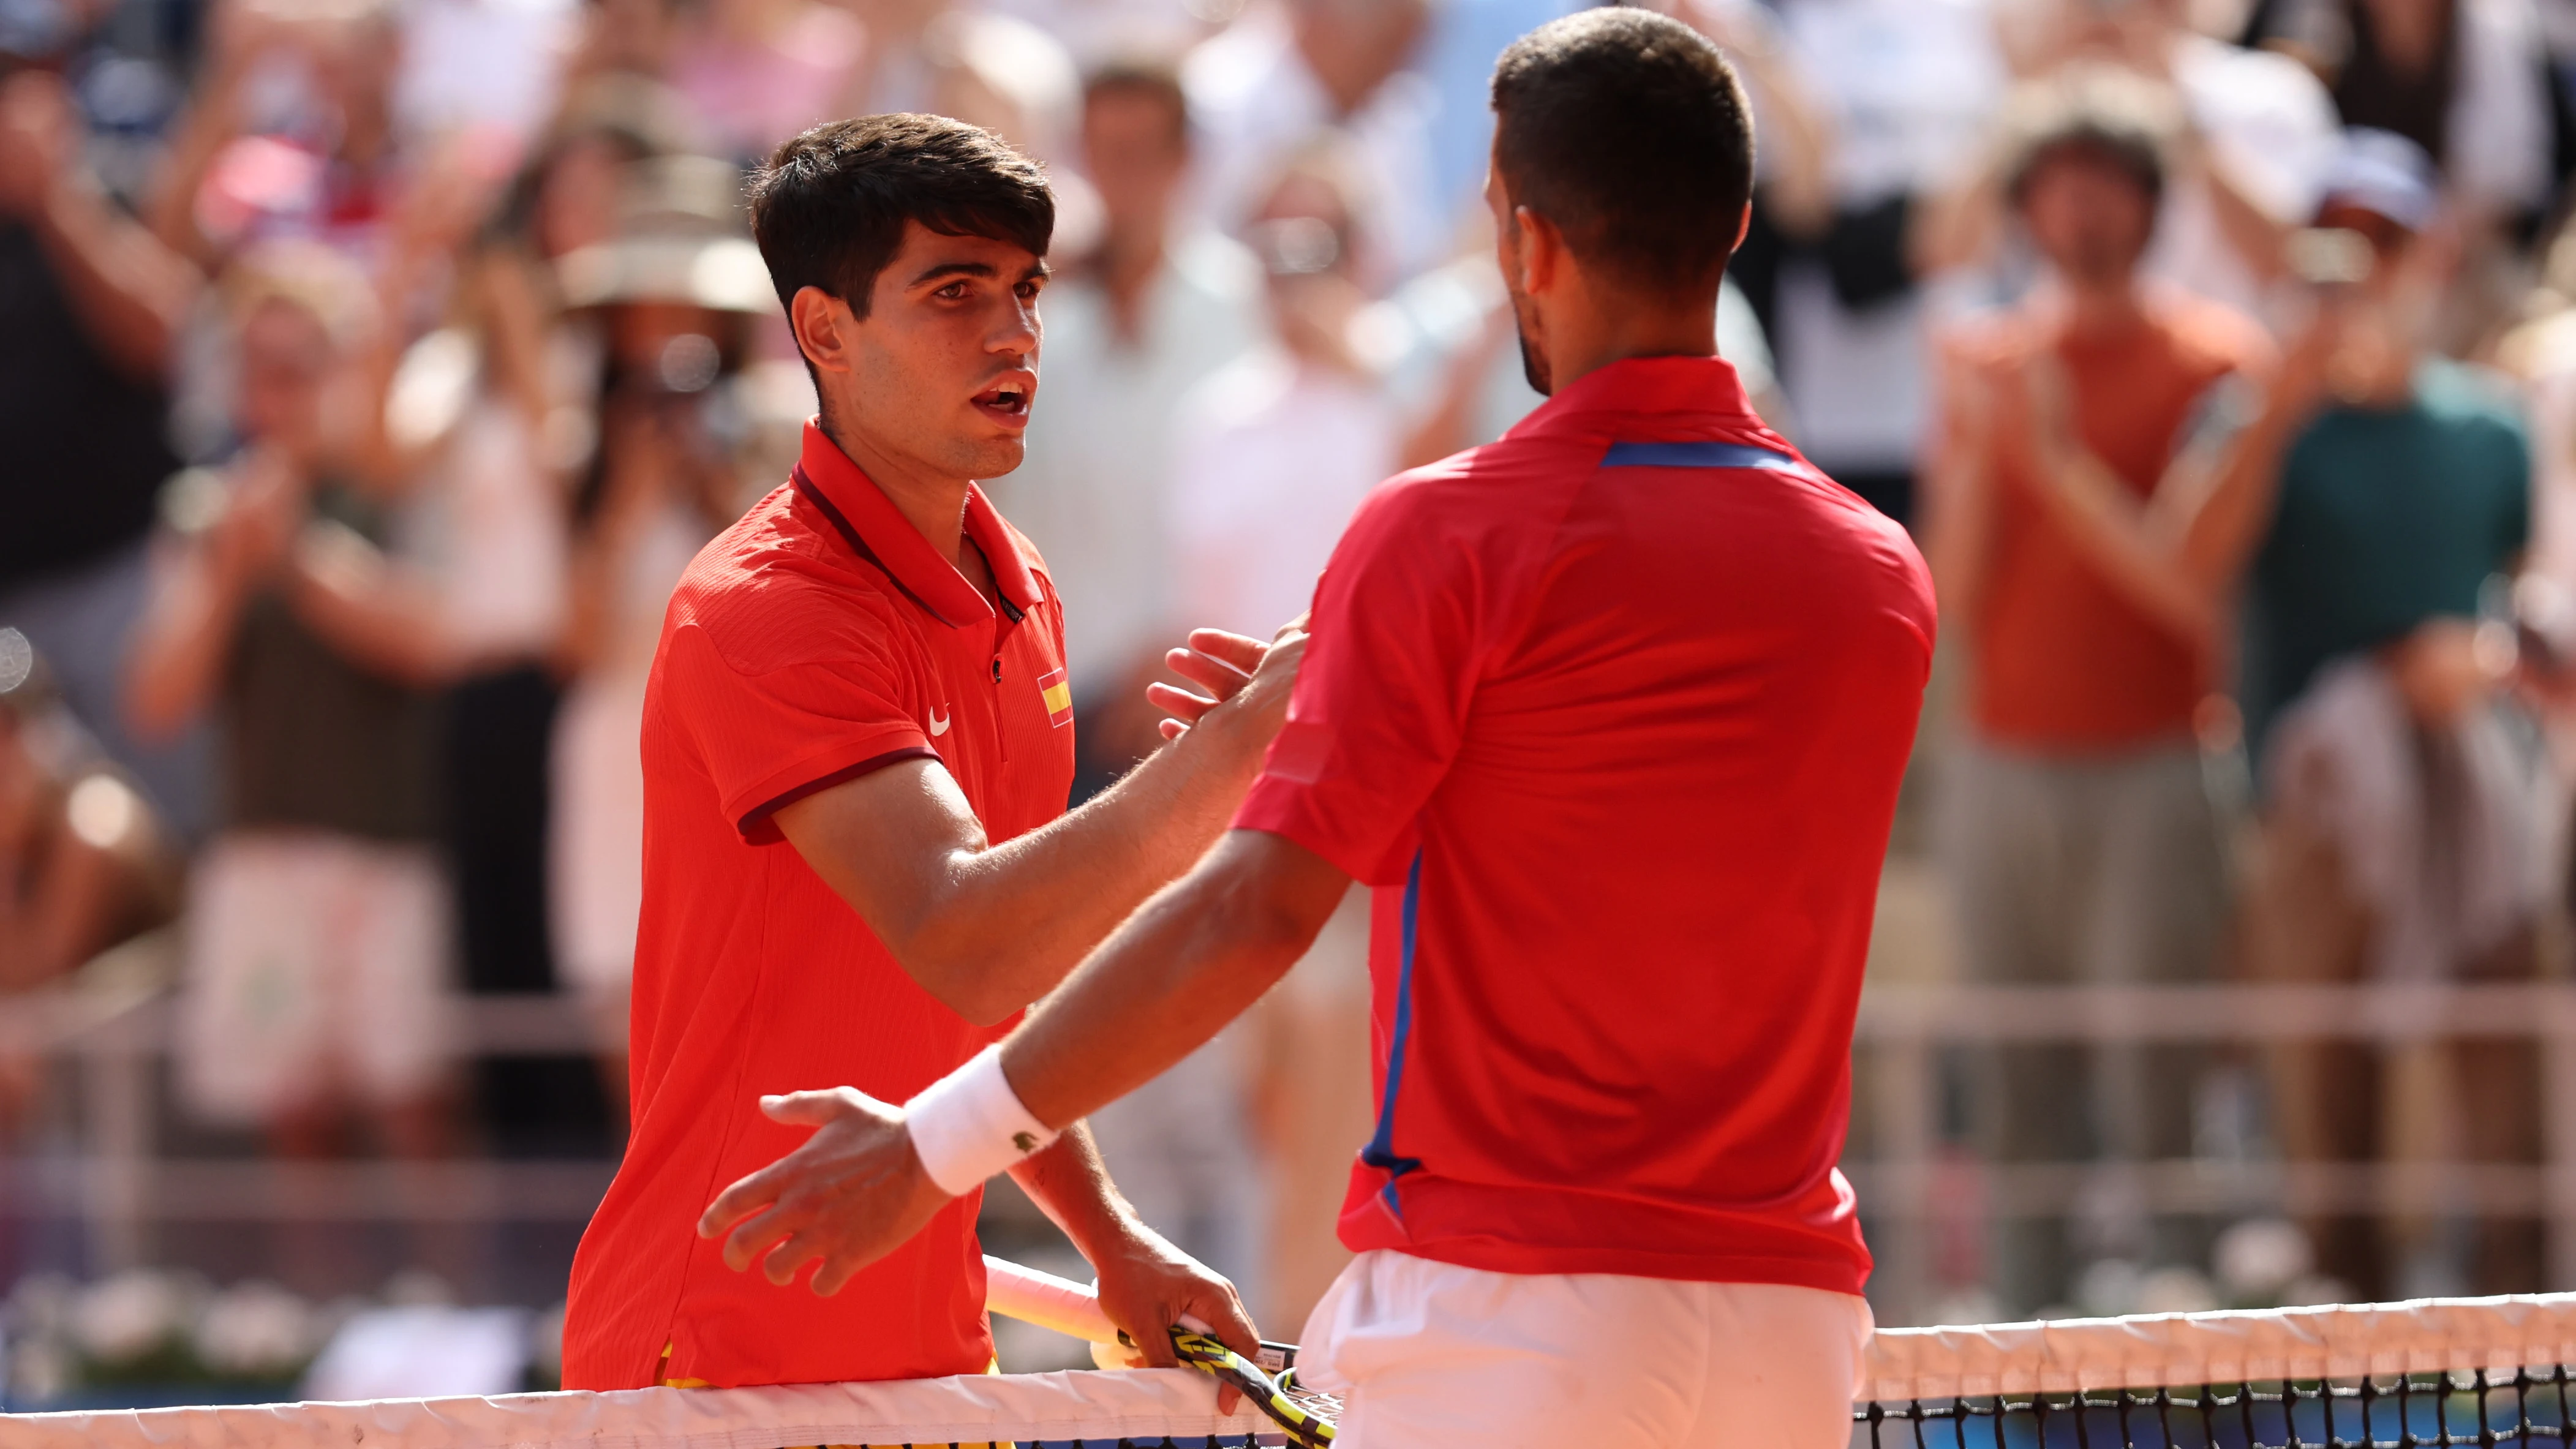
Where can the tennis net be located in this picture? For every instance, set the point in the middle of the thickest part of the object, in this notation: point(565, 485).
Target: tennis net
point(1144, 1408)
point(2434, 1372)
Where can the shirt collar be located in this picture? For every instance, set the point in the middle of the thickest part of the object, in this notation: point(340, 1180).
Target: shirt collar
point(1648, 399)
point(889, 540)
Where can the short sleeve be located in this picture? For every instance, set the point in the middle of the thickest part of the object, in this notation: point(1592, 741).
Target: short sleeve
point(771, 737)
point(1381, 701)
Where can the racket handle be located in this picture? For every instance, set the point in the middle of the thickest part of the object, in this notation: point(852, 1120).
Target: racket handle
point(1046, 1300)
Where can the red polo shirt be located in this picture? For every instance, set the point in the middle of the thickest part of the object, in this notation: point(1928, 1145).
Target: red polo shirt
point(819, 638)
point(1612, 714)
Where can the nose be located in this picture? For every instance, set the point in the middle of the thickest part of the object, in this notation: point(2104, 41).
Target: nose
point(1018, 336)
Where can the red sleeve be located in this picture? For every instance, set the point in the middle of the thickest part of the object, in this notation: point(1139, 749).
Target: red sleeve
point(1399, 637)
point(773, 736)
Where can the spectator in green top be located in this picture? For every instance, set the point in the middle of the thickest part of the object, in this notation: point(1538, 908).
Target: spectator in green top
point(2400, 830)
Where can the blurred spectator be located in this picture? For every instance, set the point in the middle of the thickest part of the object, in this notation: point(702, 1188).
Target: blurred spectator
point(673, 294)
point(1907, 88)
point(2258, 133)
point(2385, 488)
point(2078, 839)
point(756, 72)
point(1101, 33)
point(2466, 80)
point(91, 308)
point(83, 863)
point(1274, 452)
point(318, 933)
point(1264, 88)
point(483, 65)
point(1160, 304)
point(289, 132)
point(460, 434)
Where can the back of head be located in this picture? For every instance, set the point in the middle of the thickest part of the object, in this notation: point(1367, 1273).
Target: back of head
point(1629, 132)
point(829, 209)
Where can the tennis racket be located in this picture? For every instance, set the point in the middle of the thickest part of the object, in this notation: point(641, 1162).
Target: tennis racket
point(1074, 1309)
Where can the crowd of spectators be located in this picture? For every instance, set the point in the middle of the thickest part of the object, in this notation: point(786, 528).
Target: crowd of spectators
point(371, 369)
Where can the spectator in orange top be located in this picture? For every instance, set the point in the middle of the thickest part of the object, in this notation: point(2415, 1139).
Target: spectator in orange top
point(2081, 844)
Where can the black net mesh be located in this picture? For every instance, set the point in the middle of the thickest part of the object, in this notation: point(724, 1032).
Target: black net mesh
point(2396, 1411)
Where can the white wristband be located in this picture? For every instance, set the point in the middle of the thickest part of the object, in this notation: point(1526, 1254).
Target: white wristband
point(969, 1125)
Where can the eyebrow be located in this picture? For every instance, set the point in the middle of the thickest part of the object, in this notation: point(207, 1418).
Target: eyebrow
point(946, 270)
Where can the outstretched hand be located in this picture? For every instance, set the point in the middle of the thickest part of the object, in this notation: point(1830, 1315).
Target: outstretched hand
point(1249, 677)
point(850, 1194)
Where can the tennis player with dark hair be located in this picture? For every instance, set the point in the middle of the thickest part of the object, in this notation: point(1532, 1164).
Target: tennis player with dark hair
point(1611, 713)
point(857, 745)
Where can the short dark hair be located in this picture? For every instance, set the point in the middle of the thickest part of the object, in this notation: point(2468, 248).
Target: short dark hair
point(829, 208)
point(2107, 117)
point(1628, 130)
point(1153, 80)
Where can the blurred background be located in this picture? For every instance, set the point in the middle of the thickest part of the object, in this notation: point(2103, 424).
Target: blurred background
point(370, 369)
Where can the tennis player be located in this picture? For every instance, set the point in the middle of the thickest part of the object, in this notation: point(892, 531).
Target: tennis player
point(1611, 714)
point(857, 745)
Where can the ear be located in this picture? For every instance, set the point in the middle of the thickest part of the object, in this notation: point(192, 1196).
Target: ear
point(1543, 254)
point(821, 322)
point(1743, 229)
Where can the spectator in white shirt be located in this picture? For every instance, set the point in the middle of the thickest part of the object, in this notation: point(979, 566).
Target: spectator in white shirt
point(1153, 309)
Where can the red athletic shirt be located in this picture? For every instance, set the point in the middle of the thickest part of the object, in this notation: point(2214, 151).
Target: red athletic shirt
point(818, 638)
point(1612, 714)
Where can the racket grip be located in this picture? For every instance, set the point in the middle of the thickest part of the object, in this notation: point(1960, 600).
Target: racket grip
point(1046, 1300)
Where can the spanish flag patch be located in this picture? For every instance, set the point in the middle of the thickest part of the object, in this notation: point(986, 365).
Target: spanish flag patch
point(1057, 695)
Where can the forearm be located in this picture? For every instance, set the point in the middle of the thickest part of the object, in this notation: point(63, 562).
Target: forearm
point(374, 614)
point(131, 293)
point(179, 653)
point(2221, 528)
point(1015, 918)
point(1071, 1185)
point(2113, 531)
point(1171, 978)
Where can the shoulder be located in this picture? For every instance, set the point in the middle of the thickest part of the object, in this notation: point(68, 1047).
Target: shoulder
point(1996, 337)
point(1215, 266)
point(2213, 337)
point(1241, 394)
point(768, 593)
point(2461, 392)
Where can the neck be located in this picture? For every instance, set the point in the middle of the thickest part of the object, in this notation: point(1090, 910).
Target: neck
point(2105, 306)
point(933, 503)
point(1630, 327)
point(1128, 260)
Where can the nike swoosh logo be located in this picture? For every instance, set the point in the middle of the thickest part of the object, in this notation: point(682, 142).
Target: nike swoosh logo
point(938, 724)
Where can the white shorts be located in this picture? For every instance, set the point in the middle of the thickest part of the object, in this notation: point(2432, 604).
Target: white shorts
point(1431, 1354)
point(317, 970)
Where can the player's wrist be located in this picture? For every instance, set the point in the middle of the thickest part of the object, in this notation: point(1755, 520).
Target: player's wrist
point(970, 1124)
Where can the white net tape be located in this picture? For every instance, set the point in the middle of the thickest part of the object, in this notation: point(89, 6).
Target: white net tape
point(2429, 1335)
point(1145, 1406)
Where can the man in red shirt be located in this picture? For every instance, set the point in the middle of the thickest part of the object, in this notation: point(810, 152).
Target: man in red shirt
point(857, 744)
point(1612, 715)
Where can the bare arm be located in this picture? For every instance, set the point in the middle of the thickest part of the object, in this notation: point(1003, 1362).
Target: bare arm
point(205, 579)
point(1959, 523)
point(987, 928)
point(1146, 1284)
point(130, 293)
point(1169, 980)
point(2115, 530)
point(372, 611)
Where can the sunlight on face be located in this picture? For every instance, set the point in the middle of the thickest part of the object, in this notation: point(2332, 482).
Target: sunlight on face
point(944, 367)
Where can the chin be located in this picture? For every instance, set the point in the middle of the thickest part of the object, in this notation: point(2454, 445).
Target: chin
point(997, 457)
